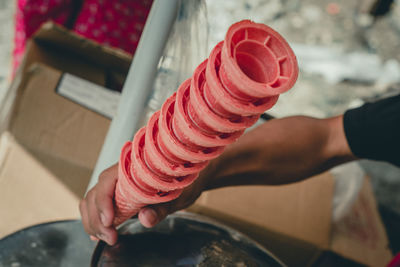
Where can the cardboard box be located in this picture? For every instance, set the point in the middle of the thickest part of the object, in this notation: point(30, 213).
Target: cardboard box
point(48, 123)
point(52, 142)
point(40, 118)
point(294, 222)
point(30, 193)
point(56, 47)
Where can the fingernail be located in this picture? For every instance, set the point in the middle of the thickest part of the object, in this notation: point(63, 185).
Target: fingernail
point(103, 219)
point(151, 216)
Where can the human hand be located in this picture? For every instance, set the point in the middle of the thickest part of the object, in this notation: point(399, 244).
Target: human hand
point(97, 208)
point(151, 215)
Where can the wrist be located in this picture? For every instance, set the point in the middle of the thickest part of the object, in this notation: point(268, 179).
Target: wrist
point(208, 176)
point(337, 148)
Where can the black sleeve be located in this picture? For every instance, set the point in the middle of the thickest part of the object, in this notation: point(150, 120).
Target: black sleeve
point(373, 130)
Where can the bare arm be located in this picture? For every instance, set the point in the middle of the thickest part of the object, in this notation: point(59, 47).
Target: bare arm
point(280, 151)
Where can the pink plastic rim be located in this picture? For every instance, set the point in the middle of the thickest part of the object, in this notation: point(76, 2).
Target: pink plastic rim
point(134, 191)
point(273, 69)
point(139, 168)
point(169, 140)
point(156, 161)
point(203, 111)
point(188, 132)
point(222, 101)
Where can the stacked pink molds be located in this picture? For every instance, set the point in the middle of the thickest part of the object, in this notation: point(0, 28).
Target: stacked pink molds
point(241, 79)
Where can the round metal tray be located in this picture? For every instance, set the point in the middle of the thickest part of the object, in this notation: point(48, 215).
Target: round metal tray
point(61, 243)
point(182, 239)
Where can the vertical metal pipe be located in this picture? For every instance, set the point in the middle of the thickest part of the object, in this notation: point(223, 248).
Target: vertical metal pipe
point(138, 85)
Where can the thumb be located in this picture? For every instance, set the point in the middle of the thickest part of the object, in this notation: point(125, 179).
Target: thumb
point(152, 215)
point(149, 216)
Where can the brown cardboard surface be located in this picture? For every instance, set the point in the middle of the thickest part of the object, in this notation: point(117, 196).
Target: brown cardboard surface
point(29, 193)
point(294, 222)
point(55, 46)
point(301, 210)
point(43, 176)
point(53, 142)
point(74, 177)
point(44, 121)
point(59, 48)
point(61, 59)
point(360, 235)
point(89, 50)
point(62, 135)
point(291, 251)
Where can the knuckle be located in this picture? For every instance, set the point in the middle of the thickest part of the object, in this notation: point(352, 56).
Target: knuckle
point(93, 225)
point(102, 176)
point(99, 203)
point(99, 199)
point(89, 194)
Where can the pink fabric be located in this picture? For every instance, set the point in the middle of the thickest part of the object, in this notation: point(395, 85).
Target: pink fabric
point(117, 23)
point(114, 23)
point(30, 15)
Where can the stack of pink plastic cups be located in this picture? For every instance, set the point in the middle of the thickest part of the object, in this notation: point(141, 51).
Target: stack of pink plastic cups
point(241, 79)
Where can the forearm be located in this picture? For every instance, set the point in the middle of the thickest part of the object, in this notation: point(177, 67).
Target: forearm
point(281, 151)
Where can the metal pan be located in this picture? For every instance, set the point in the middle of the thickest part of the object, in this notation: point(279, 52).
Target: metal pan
point(55, 244)
point(182, 239)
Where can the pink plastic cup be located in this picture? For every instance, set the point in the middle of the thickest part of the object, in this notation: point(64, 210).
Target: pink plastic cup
point(242, 78)
point(202, 112)
point(129, 197)
point(188, 132)
point(256, 62)
point(150, 179)
point(222, 101)
point(156, 160)
point(173, 147)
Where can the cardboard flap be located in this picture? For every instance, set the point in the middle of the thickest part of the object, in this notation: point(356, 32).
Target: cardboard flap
point(29, 193)
point(58, 36)
point(56, 125)
point(302, 210)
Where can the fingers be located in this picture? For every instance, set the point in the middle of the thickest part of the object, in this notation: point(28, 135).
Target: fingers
point(92, 223)
point(93, 238)
point(84, 215)
point(151, 215)
point(105, 194)
point(108, 234)
point(97, 209)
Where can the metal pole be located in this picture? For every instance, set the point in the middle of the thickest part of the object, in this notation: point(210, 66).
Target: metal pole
point(138, 85)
